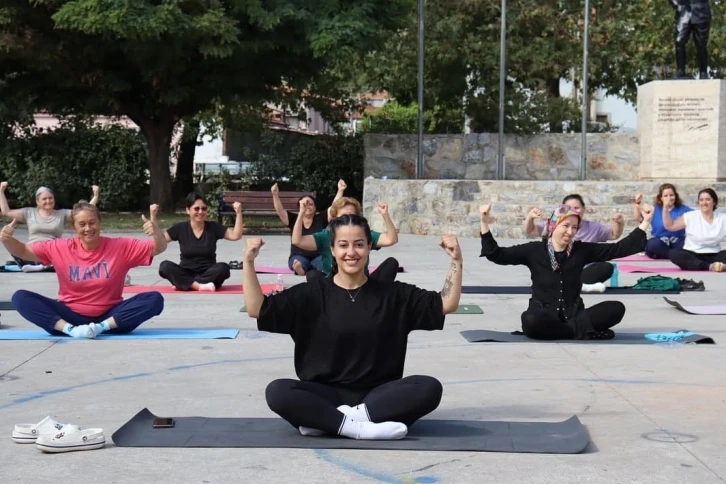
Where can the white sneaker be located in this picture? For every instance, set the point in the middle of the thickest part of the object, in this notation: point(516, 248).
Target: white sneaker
point(33, 268)
point(592, 288)
point(28, 433)
point(70, 439)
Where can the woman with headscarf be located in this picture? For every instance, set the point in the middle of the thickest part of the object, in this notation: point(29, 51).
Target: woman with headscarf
point(556, 310)
point(44, 221)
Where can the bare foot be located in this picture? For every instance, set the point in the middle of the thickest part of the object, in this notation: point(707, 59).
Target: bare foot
point(297, 267)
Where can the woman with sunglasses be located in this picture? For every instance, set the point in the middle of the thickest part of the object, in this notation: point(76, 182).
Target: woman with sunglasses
point(199, 269)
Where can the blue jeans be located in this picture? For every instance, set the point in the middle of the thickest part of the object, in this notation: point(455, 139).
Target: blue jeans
point(307, 264)
point(128, 314)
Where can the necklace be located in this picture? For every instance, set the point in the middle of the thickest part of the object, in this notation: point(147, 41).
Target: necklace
point(352, 298)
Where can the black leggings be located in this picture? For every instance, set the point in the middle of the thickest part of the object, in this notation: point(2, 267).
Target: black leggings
point(538, 323)
point(386, 271)
point(183, 279)
point(692, 261)
point(597, 272)
point(315, 405)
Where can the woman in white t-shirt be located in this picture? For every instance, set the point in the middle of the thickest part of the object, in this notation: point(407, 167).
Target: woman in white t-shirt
point(44, 221)
point(705, 229)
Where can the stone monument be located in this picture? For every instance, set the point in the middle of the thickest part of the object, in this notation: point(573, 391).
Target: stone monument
point(682, 129)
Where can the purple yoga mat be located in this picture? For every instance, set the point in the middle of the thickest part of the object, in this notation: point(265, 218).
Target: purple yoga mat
point(707, 310)
point(649, 270)
point(636, 258)
point(272, 270)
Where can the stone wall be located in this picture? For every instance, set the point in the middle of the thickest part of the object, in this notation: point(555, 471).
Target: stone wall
point(435, 207)
point(474, 156)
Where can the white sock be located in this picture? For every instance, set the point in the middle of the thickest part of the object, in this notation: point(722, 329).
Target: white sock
point(359, 413)
point(372, 431)
point(99, 328)
point(597, 287)
point(207, 287)
point(82, 331)
point(33, 268)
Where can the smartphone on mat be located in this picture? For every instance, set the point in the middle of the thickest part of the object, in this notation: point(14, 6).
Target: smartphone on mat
point(163, 423)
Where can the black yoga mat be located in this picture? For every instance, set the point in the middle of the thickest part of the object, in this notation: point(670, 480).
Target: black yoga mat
point(6, 306)
point(528, 290)
point(567, 437)
point(486, 336)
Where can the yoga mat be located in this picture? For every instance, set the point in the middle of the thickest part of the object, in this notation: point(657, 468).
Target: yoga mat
point(468, 309)
point(528, 290)
point(566, 437)
point(230, 289)
point(170, 333)
point(700, 310)
point(6, 306)
point(486, 336)
point(649, 270)
point(636, 258)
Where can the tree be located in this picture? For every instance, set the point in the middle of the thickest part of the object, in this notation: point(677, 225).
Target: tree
point(159, 62)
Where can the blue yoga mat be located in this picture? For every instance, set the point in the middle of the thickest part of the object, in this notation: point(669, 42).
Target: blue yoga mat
point(170, 333)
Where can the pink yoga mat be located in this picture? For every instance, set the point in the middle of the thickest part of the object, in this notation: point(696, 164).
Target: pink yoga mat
point(636, 258)
point(231, 289)
point(650, 270)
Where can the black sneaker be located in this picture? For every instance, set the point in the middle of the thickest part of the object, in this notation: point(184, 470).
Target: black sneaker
point(691, 285)
point(601, 334)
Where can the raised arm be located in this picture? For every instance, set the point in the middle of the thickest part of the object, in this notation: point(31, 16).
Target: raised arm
point(236, 232)
point(339, 194)
point(152, 229)
point(19, 215)
point(670, 224)
point(251, 289)
point(617, 224)
point(632, 244)
point(637, 216)
point(528, 226)
point(390, 237)
point(451, 292)
point(277, 203)
point(305, 242)
point(153, 211)
point(13, 245)
point(515, 255)
point(94, 195)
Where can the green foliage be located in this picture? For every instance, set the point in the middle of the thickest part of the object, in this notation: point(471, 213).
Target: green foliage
point(314, 164)
point(71, 158)
point(398, 119)
point(158, 62)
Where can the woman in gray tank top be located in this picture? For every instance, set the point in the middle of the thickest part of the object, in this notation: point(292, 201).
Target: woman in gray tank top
point(44, 221)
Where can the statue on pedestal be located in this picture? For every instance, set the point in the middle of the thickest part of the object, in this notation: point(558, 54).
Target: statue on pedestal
point(692, 16)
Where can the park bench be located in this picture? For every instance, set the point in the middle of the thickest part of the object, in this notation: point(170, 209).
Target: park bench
point(257, 203)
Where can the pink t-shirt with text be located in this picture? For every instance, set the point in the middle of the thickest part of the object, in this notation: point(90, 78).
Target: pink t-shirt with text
point(92, 281)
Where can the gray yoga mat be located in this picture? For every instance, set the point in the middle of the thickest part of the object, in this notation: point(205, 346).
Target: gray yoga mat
point(6, 306)
point(528, 290)
point(486, 336)
point(700, 310)
point(566, 437)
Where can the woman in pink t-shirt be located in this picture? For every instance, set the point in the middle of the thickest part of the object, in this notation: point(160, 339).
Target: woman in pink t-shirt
point(91, 271)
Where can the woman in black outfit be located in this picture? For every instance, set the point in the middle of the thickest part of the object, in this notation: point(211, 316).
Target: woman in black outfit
point(350, 333)
point(556, 310)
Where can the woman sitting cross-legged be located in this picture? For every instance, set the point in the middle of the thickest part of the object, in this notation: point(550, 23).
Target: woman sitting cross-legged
point(705, 229)
point(91, 271)
point(556, 310)
point(320, 241)
point(199, 269)
point(350, 333)
point(663, 241)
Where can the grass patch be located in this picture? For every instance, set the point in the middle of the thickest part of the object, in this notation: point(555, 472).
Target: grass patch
point(132, 221)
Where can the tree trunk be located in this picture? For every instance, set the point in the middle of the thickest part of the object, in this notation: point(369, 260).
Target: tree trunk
point(553, 88)
point(158, 133)
point(184, 181)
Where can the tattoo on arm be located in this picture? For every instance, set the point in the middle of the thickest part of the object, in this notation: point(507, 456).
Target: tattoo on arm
point(448, 284)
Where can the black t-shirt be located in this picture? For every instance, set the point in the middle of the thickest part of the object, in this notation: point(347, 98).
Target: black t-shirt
point(359, 344)
point(320, 221)
point(197, 253)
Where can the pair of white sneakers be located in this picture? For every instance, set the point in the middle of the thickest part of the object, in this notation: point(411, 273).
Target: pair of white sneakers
point(54, 437)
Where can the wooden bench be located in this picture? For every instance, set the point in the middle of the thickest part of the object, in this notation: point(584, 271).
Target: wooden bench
point(257, 203)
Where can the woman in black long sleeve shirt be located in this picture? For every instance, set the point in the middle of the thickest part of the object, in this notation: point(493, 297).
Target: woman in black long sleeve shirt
point(556, 310)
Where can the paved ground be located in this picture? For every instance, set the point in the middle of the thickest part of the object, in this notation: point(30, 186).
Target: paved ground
point(655, 413)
